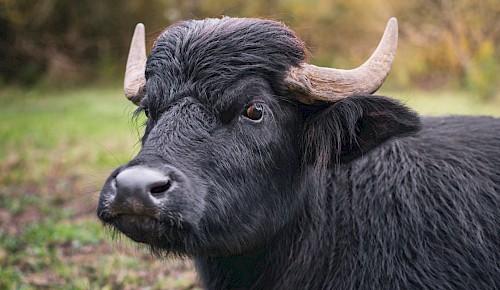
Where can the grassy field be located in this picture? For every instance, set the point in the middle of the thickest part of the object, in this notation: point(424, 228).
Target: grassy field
point(56, 149)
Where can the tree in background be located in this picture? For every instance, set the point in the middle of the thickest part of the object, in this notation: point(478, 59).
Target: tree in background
point(442, 42)
point(455, 40)
point(60, 40)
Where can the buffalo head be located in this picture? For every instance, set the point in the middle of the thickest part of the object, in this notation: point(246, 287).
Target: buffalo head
point(241, 130)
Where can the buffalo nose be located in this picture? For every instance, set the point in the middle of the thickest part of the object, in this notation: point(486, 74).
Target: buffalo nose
point(138, 189)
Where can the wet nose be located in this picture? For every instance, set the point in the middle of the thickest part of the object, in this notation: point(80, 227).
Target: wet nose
point(138, 190)
point(142, 181)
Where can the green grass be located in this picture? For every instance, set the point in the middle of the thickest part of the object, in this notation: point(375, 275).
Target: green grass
point(44, 129)
point(436, 103)
point(56, 149)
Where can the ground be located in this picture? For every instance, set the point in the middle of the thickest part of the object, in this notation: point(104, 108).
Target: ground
point(56, 149)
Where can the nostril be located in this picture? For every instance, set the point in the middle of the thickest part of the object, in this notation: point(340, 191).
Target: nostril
point(142, 182)
point(158, 189)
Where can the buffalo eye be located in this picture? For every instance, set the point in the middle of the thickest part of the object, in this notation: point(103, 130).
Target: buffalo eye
point(255, 112)
point(146, 112)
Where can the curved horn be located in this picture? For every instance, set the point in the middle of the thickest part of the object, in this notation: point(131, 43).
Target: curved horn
point(310, 83)
point(135, 79)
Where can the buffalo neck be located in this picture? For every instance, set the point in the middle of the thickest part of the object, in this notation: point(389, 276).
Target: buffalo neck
point(277, 264)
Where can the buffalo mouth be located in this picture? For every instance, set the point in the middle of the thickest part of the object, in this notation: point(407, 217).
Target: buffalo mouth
point(166, 234)
point(140, 228)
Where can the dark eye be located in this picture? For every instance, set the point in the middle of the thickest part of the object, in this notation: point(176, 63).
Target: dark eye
point(146, 112)
point(255, 111)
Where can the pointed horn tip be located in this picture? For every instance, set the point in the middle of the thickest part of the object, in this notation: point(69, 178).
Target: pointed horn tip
point(392, 24)
point(138, 43)
point(139, 31)
point(135, 81)
point(311, 86)
point(140, 26)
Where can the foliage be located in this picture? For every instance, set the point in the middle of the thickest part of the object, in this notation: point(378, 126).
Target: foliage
point(453, 40)
point(57, 39)
point(442, 42)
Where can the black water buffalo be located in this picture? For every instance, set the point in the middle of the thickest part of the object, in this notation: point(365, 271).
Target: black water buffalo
point(272, 173)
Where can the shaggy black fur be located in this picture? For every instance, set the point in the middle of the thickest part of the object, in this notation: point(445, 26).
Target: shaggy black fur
point(360, 194)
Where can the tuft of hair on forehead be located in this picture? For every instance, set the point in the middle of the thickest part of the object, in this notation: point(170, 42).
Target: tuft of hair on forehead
point(214, 53)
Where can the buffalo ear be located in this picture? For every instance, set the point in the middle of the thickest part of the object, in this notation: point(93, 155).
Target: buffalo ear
point(344, 131)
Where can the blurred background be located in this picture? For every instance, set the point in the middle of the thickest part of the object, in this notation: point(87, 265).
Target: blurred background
point(65, 124)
